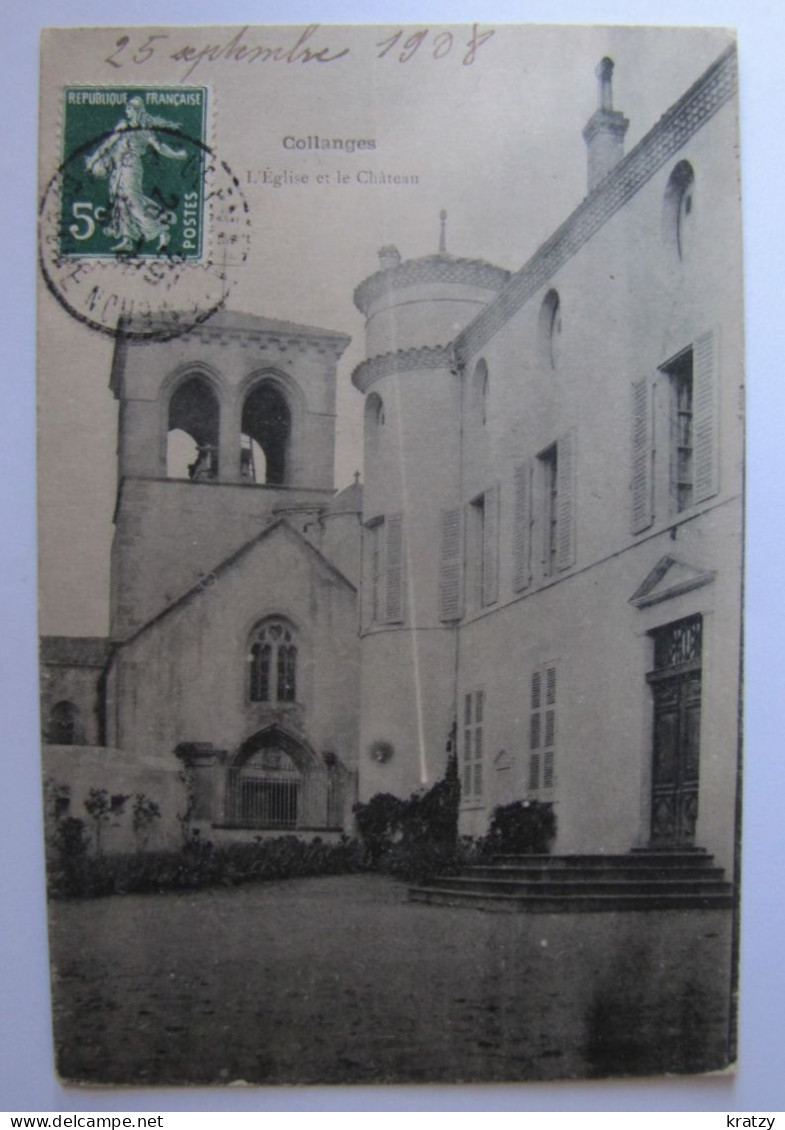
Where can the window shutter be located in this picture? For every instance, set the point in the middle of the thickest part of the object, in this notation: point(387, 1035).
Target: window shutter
point(490, 549)
point(451, 565)
point(705, 446)
point(521, 550)
point(565, 520)
point(549, 735)
point(642, 478)
point(394, 579)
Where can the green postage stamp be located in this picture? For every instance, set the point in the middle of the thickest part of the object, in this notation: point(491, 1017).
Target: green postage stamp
point(133, 172)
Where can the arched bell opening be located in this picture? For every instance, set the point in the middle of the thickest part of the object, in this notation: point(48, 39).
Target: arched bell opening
point(192, 431)
point(266, 428)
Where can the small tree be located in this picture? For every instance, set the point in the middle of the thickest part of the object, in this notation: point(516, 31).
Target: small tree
point(145, 811)
point(101, 808)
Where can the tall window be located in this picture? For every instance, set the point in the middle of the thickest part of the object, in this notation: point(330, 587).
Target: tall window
point(549, 461)
point(384, 570)
point(273, 663)
point(472, 764)
point(376, 543)
point(680, 404)
point(557, 504)
point(479, 392)
point(477, 551)
point(483, 546)
point(542, 729)
point(681, 411)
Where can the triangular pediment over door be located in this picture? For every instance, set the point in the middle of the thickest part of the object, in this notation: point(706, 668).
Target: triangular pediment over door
point(670, 577)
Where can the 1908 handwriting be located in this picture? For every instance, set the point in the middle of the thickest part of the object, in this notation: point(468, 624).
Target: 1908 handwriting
point(400, 46)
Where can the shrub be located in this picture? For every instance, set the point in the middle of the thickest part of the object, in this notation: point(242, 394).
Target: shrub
point(200, 863)
point(379, 824)
point(525, 827)
point(417, 838)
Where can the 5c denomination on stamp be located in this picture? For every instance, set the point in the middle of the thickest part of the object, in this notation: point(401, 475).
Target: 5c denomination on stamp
point(142, 227)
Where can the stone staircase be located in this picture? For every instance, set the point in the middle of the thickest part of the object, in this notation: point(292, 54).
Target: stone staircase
point(549, 884)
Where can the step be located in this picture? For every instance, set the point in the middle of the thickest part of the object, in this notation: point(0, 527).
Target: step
point(586, 885)
point(547, 874)
point(575, 904)
point(665, 860)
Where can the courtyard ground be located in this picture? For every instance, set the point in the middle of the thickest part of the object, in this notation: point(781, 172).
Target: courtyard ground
point(341, 980)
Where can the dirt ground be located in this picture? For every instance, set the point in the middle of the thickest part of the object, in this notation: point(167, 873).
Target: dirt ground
point(341, 980)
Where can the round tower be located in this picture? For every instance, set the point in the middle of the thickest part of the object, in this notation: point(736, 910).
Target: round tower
point(412, 502)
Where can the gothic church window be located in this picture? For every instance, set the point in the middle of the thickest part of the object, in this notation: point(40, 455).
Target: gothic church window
point(273, 663)
point(192, 431)
point(266, 429)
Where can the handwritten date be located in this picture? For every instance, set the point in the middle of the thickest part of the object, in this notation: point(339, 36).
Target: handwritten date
point(440, 44)
point(434, 43)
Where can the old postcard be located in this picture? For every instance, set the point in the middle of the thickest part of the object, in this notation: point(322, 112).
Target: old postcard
point(390, 487)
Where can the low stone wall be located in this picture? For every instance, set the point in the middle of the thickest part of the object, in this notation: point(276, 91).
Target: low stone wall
point(70, 772)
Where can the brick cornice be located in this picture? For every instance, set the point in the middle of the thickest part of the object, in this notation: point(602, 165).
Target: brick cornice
point(430, 269)
point(712, 90)
point(402, 361)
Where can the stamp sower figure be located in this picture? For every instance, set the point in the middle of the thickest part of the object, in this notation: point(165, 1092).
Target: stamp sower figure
point(135, 218)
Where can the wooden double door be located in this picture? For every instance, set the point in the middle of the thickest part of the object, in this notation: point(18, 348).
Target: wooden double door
point(676, 691)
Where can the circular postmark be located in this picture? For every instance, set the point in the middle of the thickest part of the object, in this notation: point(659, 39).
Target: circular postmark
point(143, 229)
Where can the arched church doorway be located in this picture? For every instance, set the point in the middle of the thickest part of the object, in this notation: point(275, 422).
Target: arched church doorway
point(277, 782)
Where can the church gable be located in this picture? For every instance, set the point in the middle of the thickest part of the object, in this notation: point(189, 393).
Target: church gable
point(254, 559)
point(270, 633)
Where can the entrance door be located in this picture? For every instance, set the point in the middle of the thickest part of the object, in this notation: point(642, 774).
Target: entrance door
point(676, 687)
point(265, 791)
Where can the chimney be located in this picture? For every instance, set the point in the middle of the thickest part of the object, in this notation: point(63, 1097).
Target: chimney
point(604, 132)
point(389, 256)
